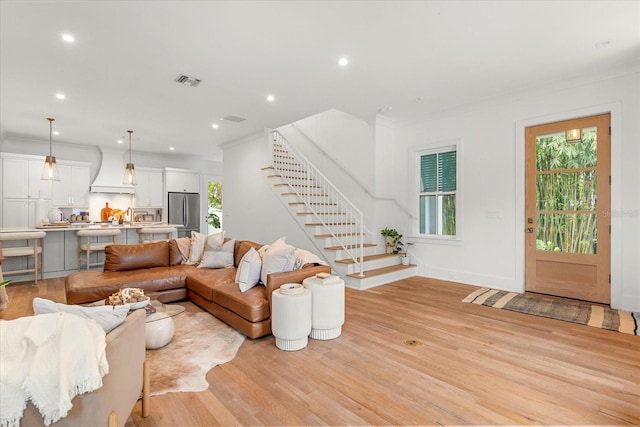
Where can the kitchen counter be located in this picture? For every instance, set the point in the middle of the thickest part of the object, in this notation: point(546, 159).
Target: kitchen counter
point(82, 226)
point(60, 246)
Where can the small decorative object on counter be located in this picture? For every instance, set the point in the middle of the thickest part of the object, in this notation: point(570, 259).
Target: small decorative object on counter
point(105, 213)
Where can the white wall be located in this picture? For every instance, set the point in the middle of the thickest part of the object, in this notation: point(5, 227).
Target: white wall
point(491, 252)
point(251, 209)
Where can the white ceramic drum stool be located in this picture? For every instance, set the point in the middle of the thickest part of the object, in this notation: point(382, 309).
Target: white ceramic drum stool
point(159, 330)
point(327, 307)
point(291, 316)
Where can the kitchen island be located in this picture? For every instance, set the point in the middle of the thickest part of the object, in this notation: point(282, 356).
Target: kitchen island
point(60, 247)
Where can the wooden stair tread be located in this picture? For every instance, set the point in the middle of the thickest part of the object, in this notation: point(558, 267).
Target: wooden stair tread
point(326, 236)
point(321, 213)
point(317, 224)
point(313, 203)
point(304, 194)
point(381, 271)
point(283, 184)
point(366, 258)
point(339, 248)
point(289, 177)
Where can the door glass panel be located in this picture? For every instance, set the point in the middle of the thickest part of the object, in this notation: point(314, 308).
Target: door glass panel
point(569, 233)
point(566, 191)
point(553, 151)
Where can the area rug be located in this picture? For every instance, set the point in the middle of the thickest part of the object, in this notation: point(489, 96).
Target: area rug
point(200, 342)
point(576, 312)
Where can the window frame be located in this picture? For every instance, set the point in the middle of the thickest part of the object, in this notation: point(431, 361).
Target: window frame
point(455, 145)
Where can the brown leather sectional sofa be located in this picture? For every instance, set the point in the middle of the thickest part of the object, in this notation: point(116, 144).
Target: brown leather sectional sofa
point(157, 268)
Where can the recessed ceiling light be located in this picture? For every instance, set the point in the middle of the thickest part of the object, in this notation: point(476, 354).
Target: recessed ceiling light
point(68, 38)
point(60, 95)
point(215, 126)
point(119, 141)
point(343, 62)
point(271, 98)
point(55, 132)
point(171, 148)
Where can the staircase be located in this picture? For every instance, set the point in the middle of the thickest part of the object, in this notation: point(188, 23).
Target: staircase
point(335, 225)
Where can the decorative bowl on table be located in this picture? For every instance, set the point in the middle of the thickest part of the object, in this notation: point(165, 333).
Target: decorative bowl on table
point(133, 296)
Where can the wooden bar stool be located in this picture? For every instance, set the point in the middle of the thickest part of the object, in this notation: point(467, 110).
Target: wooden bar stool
point(26, 250)
point(148, 235)
point(93, 241)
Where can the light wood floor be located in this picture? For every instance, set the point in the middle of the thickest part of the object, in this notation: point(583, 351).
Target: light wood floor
point(475, 365)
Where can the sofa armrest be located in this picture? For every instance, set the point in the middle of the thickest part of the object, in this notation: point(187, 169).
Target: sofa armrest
point(275, 280)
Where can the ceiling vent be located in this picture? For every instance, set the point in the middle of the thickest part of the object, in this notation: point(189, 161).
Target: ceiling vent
point(234, 119)
point(188, 81)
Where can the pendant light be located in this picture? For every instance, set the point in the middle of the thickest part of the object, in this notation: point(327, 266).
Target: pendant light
point(50, 169)
point(129, 170)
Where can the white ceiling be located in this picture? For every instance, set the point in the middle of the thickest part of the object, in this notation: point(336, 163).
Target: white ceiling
point(119, 74)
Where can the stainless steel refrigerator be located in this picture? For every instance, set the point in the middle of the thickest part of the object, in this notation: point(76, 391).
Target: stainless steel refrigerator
point(184, 208)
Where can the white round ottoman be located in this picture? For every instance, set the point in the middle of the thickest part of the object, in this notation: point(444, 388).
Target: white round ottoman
point(158, 330)
point(291, 316)
point(327, 307)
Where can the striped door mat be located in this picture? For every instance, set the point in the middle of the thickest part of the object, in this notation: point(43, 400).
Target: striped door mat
point(584, 313)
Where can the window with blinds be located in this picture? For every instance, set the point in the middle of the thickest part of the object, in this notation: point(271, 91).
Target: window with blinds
point(437, 197)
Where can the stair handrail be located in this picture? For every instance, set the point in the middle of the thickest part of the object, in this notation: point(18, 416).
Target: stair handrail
point(315, 178)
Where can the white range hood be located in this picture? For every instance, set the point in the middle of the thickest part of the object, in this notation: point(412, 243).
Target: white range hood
point(109, 178)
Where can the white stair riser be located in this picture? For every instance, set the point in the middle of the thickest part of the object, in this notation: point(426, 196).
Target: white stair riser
point(368, 265)
point(367, 283)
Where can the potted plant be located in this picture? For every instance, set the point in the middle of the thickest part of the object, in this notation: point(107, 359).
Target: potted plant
point(393, 240)
point(404, 257)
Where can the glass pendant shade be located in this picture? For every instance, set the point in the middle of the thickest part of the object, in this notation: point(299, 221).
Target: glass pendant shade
point(129, 175)
point(50, 169)
point(129, 169)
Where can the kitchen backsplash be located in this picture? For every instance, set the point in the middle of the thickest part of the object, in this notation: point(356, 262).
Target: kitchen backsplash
point(117, 202)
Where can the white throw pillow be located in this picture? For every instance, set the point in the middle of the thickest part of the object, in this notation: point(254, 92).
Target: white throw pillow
point(107, 316)
point(248, 274)
point(278, 258)
point(304, 257)
point(220, 257)
point(198, 243)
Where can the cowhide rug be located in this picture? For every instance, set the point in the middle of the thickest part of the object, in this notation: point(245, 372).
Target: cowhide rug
point(200, 342)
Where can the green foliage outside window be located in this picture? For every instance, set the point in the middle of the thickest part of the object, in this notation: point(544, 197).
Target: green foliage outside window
point(215, 204)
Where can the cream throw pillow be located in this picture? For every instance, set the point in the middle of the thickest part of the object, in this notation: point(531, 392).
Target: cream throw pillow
point(278, 258)
point(198, 243)
point(107, 316)
point(218, 256)
point(248, 274)
point(304, 257)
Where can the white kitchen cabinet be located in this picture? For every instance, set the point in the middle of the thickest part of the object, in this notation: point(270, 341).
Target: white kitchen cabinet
point(149, 191)
point(73, 188)
point(182, 180)
point(18, 212)
point(21, 178)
